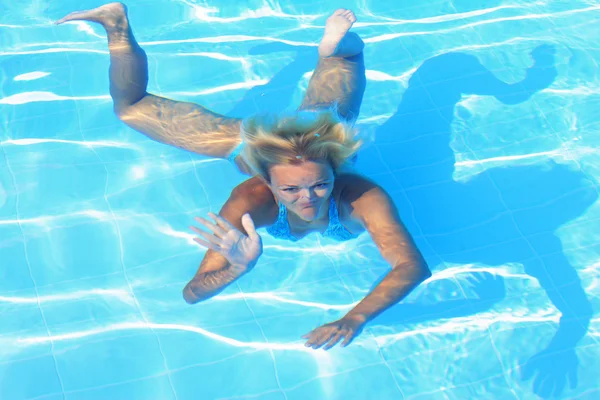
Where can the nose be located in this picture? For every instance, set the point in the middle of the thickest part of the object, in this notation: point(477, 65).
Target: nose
point(308, 194)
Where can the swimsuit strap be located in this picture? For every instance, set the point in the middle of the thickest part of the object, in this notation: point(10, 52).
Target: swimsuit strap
point(336, 230)
point(281, 228)
point(236, 152)
point(334, 217)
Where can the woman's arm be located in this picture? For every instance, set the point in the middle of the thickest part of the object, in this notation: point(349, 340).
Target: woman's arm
point(371, 206)
point(375, 210)
point(216, 272)
point(214, 275)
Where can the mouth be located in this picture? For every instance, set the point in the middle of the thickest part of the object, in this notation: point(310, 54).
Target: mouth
point(308, 205)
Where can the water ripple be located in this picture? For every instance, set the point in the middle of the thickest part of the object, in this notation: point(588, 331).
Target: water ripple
point(120, 294)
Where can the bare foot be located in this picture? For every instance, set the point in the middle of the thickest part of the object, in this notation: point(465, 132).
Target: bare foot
point(336, 27)
point(110, 16)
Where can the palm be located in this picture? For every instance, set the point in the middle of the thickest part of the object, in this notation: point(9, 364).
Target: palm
point(239, 249)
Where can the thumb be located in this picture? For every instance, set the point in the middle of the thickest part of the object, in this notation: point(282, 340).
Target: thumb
point(248, 225)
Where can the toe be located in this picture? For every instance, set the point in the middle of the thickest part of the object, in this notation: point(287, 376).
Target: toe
point(68, 18)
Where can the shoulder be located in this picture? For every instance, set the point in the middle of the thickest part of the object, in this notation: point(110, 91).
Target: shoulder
point(362, 196)
point(352, 187)
point(372, 207)
point(253, 189)
point(255, 197)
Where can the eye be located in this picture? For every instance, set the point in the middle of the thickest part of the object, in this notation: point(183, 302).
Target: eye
point(290, 189)
point(322, 185)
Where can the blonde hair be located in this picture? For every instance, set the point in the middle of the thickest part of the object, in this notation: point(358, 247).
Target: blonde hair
point(294, 138)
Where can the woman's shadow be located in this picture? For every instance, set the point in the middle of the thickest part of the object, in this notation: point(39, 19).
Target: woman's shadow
point(275, 96)
point(503, 215)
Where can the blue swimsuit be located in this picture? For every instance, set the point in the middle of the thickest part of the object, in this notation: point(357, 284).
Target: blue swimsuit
point(281, 228)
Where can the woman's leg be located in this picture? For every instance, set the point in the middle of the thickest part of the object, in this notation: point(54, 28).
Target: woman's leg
point(339, 78)
point(181, 124)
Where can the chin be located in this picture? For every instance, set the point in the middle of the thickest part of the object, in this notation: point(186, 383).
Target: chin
point(309, 214)
point(307, 218)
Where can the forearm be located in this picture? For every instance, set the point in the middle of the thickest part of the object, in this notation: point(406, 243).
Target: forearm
point(216, 278)
point(397, 284)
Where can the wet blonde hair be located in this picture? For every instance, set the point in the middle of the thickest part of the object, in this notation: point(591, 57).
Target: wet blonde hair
point(319, 136)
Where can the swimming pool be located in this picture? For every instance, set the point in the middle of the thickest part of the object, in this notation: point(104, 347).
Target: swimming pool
point(484, 118)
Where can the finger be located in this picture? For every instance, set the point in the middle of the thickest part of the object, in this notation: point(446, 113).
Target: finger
point(222, 222)
point(217, 230)
point(347, 339)
point(319, 342)
point(309, 342)
point(315, 337)
point(248, 225)
point(333, 341)
point(324, 338)
point(207, 236)
point(307, 335)
point(312, 337)
point(206, 244)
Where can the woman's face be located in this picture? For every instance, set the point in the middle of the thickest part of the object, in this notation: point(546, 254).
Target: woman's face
point(303, 188)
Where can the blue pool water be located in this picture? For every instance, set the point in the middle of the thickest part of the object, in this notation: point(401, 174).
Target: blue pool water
point(485, 119)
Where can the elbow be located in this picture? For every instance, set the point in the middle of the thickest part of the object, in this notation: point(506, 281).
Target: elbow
point(425, 274)
point(189, 296)
point(420, 270)
point(122, 112)
point(415, 270)
point(189, 300)
point(424, 271)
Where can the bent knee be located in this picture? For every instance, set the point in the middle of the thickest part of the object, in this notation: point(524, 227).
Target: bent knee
point(122, 111)
point(350, 46)
point(355, 38)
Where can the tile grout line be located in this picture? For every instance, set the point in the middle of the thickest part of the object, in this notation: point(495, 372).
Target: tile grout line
point(119, 235)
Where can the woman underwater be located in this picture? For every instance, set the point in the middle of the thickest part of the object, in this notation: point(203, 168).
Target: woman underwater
point(300, 181)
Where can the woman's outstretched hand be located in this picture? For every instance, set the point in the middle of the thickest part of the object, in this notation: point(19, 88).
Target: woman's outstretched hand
point(242, 251)
point(330, 334)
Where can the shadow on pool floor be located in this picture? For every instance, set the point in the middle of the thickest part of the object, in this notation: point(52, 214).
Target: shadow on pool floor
point(503, 215)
